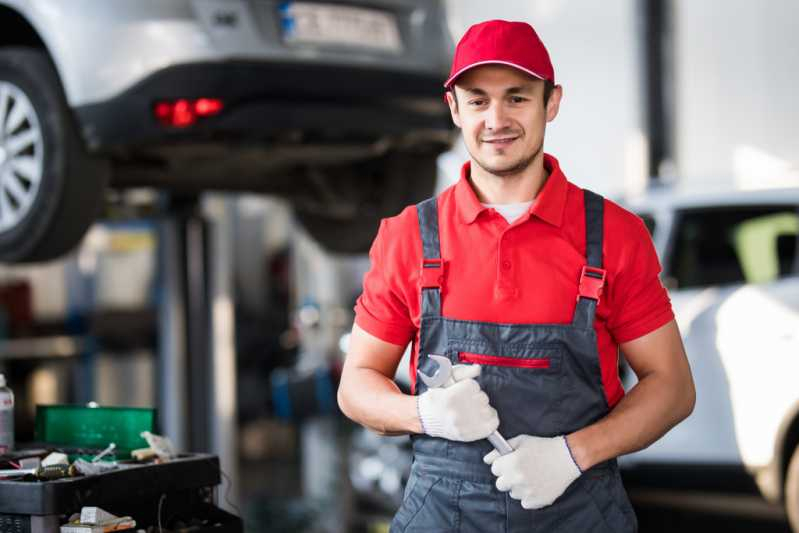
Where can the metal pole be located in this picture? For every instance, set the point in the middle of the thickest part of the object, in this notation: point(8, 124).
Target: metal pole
point(197, 327)
point(171, 334)
point(222, 416)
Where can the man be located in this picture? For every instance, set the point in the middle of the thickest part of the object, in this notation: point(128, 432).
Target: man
point(529, 285)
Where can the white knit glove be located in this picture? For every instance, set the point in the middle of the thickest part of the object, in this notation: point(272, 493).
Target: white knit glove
point(537, 471)
point(459, 410)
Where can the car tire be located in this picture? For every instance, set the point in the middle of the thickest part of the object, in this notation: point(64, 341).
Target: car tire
point(50, 189)
point(407, 180)
point(792, 491)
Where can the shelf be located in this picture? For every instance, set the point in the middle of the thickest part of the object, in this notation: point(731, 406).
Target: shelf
point(42, 347)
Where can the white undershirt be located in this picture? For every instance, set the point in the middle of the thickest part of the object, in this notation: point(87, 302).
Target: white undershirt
point(511, 211)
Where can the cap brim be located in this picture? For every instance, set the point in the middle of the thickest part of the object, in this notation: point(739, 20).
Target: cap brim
point(491, 62)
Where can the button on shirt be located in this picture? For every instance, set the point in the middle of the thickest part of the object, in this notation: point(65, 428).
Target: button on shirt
point(524, 272)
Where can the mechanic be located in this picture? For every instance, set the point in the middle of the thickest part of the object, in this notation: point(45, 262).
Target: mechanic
point(529, 286)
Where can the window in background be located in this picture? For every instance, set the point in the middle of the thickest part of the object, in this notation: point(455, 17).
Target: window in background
point(734, 245)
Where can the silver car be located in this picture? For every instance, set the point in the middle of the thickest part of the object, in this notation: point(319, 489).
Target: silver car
point(335, 105)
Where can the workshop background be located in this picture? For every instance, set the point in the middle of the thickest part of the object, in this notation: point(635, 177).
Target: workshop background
point(226, 245)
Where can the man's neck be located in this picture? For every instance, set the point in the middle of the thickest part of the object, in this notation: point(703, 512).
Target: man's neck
point(509, 189)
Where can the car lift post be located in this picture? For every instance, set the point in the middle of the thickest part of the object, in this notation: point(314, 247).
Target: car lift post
point(197, 364)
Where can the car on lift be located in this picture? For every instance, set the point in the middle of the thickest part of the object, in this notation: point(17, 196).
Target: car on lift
point(731, 263)
point(335, 106)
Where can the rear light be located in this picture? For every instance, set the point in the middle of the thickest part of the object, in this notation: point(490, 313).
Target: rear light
point(183, 113)
point(205, 107)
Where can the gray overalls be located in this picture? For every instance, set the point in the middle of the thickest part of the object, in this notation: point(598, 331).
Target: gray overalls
point(543, 380)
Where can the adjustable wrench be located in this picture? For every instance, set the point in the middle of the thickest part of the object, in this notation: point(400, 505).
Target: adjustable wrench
point(442, 377)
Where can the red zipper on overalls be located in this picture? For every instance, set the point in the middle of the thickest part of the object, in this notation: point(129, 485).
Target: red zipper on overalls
point(498, 360)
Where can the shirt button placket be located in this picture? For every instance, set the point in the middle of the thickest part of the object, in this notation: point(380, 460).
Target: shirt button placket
point(504, 244)
point(506, 288)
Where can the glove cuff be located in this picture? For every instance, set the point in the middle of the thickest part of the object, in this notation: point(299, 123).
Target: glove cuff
point(419, 414)
point(568, 448)
point(431, 424)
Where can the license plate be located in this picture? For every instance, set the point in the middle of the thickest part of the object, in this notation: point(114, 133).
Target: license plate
point(328, 24)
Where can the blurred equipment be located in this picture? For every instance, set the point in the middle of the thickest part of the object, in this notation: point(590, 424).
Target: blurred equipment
point(108, 449)
point(56, 471)
point(35, 495)
point(162, 446)
point(6, 417)
point(170, 493)
point(94, 427)
point(96, 520)
point(378, 469)
point(56, 458)
point(298, 395)
point(335, 107)
point(16, 308)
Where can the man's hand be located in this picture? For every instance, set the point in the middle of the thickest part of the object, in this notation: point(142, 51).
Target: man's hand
point(460, 411)
point(537, 471)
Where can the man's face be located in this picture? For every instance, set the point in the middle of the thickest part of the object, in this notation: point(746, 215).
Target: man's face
point(502, 116)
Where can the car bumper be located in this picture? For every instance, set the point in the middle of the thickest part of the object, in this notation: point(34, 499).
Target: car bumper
point(265, 102)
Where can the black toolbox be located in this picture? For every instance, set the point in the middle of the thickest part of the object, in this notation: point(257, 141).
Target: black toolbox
point(180, 493)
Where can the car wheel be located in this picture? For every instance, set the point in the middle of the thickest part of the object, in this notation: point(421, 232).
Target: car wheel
point(792, 491)
point(407, 179)
point(50, 190)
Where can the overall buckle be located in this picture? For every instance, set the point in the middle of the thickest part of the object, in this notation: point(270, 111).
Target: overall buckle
point(592, 280)
point(432, 273)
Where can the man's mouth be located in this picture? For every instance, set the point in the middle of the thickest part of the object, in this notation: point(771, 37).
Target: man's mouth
point(501, 141)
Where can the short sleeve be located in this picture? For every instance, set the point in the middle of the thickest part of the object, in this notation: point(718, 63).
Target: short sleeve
point(380, 309)
point(640, 302)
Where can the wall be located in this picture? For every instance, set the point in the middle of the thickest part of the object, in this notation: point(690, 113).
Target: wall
point(737, 69)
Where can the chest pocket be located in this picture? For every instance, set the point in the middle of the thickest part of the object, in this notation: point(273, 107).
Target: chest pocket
point(524, 383)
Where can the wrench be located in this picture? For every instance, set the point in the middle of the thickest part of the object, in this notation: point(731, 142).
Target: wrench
point(442, 377)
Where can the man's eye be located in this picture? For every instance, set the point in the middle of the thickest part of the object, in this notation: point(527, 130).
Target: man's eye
point(476, 102)
point(517, 99)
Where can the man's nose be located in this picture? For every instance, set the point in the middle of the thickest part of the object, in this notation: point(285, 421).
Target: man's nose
point(496, 117)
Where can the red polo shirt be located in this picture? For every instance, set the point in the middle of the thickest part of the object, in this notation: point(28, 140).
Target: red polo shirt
point(525, 272)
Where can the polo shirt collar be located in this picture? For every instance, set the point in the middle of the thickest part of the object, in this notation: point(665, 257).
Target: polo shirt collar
point(548, 205)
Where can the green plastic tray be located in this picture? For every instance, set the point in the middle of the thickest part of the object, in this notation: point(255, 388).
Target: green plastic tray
point(94, 427)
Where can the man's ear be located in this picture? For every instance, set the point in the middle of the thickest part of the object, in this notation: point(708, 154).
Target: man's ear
point(553, 105)
point(453, 107)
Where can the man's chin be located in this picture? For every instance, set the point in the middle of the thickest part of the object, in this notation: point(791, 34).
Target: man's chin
point(504, 168)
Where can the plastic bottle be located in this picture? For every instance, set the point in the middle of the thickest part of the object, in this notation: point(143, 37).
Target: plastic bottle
point(6, 417)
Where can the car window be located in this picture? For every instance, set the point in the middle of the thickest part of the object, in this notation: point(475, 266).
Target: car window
point(734, 245)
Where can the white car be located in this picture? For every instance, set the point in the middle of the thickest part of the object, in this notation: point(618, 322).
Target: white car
point(335, 105)
point(730, 262)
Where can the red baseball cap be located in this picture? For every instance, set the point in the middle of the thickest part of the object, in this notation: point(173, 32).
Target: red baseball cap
point(503, 42)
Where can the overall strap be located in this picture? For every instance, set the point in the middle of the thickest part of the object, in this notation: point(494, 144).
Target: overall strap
point(592, 277)
point(432, 274)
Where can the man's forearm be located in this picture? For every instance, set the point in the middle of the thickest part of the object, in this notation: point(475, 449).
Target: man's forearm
point(377, 403)
point(645, 414)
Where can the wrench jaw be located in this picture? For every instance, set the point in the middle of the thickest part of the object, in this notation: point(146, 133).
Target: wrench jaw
point(442, 373)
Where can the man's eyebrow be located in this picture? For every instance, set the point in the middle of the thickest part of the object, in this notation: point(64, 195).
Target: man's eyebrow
point(519, 89)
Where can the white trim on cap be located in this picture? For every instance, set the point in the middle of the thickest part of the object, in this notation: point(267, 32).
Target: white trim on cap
point(492, 61)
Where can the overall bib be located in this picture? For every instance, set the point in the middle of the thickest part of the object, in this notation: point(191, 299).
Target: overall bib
point(543, 380)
